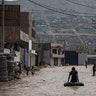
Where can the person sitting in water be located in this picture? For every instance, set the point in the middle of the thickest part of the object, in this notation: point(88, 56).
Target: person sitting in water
point(74, 75)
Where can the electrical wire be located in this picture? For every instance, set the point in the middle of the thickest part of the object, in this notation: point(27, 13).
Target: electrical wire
point(60, 10)
point(77, 12)
point(93, 7)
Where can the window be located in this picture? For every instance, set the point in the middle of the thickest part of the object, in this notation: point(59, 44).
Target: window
point(59, 50)
point(54, 51)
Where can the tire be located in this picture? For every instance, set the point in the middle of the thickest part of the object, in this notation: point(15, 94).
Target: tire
point(3, 64)
point(3, 70)
point(3, 58)
point(74, 84)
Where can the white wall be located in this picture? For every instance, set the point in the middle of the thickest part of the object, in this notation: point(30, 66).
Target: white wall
point(17, 58)
point(51, 62)
point(31, 60)
point(6, 51)
point(81, 58)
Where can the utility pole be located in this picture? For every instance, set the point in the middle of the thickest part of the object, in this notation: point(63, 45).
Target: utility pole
point(3, 27)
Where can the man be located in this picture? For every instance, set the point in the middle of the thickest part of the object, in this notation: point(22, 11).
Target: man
point(86, 63)
point(74, 75)
point(94, 69)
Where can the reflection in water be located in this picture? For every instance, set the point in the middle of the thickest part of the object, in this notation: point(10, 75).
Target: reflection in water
point(74, 87)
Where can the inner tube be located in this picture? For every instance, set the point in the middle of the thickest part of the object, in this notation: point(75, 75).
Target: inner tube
point(73, 84)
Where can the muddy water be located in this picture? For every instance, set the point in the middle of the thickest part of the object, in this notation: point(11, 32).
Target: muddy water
point(50, 82)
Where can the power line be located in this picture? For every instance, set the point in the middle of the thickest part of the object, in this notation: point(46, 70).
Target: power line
point(81, 4)
point(60, 10)
point(79, 12)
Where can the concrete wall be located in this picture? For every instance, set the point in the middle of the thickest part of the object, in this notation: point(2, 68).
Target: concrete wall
point(47, 56)
point(51, 62)
point(29, 61)
point(81, 58)
point(59, 62)
point(33, 59)
point(17, 57)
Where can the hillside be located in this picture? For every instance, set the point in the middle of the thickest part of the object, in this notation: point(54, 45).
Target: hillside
point(55, 21)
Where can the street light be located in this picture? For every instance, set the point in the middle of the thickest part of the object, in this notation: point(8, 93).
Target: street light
point(3, 25)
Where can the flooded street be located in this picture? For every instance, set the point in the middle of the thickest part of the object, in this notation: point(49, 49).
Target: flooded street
point(50, 82)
